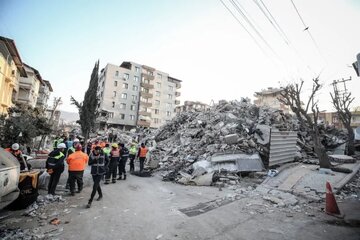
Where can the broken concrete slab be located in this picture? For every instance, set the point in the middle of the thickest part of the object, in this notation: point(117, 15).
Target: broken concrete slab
point(231, 138)
point(341, 158)
point(239, 162)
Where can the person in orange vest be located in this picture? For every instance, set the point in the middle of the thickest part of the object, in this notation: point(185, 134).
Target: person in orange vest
point(114, 158)
point(142, 155)
point(77, 162)
point(14, 150)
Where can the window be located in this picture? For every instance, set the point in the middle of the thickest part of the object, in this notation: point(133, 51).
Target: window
point(146, 81)
point(158, 85)
point(122, 116)
point(145, 90)
point(168, 113)
point(135, 88)
point(132, 107)
point(169, 96)
point(124, 95)
point(132, 117)
point(157, 111)
point(122, 106)
point(136, 78)
point(103, 84)
point(125, 86)
point(159, 76)
point(114, 94)
point(142, 99)
point(137, 69)
point(171, 88)
point(134, 97)
point(156, 120)
point(157, 102)
point(116, 73)
point(126, 76)
point(115, 83)
point(157, 93)
point(113, 104)
point(111, 115)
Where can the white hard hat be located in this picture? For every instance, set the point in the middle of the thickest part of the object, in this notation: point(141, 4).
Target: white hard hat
point(61, 145)
point(15, 146)
point(76, 140)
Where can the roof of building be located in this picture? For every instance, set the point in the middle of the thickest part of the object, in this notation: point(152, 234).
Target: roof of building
point(37, 74)
point(48, 84)
point(174, 79)
point(11, 46)
point(269, 91)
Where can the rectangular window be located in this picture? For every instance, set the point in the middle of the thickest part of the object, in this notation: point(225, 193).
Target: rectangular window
point(111, 115)
point(171, 88)
point(136, 78)
point(124, 95)
point(116, 73)
point(122, 106)
point(157, 111)
point(126, 76)
point(132, 108)
point(159, 76)
point(145, 90)
point(114, 94)
point(125, 86)
point(122, 116)
point(113, 104)
point(157, 93)
point(168, 113)
point(157, 102)
point(169, 96)
point(135, 88)
point(132, 117)
point(134, 97)
point(156, 120)
point(158, 85)
point(115, 83)
point(137, 69)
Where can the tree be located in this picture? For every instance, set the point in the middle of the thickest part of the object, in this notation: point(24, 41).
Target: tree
point(87, 108)
point(341, 102)
point(22, 124)
point(290, 96)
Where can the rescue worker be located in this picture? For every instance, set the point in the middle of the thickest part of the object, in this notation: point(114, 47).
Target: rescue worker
point(132, 154)
point(77, 162)
point(15, 151)
point(124, 155)
point(114, 158)
point(142, 155)
point(98, 162)
point(107, 149)
point(55, 166)
point(70, 151)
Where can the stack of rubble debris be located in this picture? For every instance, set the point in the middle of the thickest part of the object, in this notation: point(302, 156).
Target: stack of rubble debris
point(232, 136)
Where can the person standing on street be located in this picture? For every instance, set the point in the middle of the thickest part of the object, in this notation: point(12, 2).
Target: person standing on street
point(98, 162)
point(142, 155)
point(77, 162)
point(107, 149)
point(114, 158)
point(70, 151)
point(132, 154)
point(55, 166)
point(124, 155)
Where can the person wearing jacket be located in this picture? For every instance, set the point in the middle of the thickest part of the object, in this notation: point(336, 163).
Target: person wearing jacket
point(132, 154)
point(124, 155)
point(55, 166)
point(15, 151)
point(70, 151)
point(107, 149)
point(77, 162)
point(98, 162)
point(114, 158)
point(142, 155)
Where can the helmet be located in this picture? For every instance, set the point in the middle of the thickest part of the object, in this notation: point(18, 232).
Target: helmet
point(76, 140)
point(15, 146)
point(114, 145)
point(78, 147)
point(61, 145)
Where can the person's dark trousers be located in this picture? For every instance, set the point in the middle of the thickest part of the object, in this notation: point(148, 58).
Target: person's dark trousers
point(78, 177)
point(132, 166)
point(96, 187)
point(111, 175)
point(123, 167)
point(142, 160)
point(120, 168)
point(54, 180)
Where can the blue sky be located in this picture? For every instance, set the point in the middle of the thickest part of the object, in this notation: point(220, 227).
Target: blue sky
point(197, 41)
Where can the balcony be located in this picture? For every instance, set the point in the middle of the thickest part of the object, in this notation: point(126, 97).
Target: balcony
point(177, 102)
point(147, 85)
point(177, 94)
point(146, 95)
point(143, 123)
point(147, 76)
point(145, 104)
point(178, 85)
point(144, 113)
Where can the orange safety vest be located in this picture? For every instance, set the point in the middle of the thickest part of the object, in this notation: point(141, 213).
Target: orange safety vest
point(143, 152)
point(77, 161)
point(15, 153)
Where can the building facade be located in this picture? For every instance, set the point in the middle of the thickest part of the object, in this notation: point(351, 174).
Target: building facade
point(332, 118)
point(29, 86)
point(11, 69)
point(136, 95)
point(44, 94)
point(270, 98)
point(191, 106)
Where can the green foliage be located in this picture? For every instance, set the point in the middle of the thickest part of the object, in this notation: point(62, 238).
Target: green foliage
point(87, 108)
point(25, 120)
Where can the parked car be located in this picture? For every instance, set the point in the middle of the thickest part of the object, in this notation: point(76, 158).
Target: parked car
point(9, 178)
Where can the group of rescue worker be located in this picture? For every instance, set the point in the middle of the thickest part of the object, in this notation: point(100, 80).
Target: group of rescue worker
point(104, 161)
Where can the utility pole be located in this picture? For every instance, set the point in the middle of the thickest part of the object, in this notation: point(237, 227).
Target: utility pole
point(57, 102)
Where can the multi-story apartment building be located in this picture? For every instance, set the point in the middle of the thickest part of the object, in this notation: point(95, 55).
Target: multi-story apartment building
point(29, 86)
point(191, 105)
point(44, 94)
point(136, 95)
point(269, 97)
point(11, 68)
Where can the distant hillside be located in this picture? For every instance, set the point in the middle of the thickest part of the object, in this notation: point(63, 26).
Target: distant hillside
point(69, 116)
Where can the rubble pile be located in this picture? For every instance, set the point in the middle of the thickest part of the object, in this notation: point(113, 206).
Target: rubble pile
point(35, 209)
